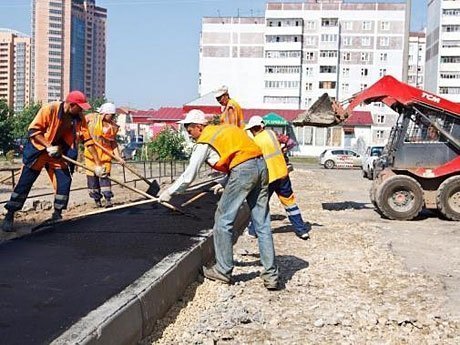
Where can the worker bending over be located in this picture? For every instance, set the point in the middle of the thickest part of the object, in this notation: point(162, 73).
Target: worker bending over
point(279, 181)
point(56, 130)
point(228, 149)
point(232, 113)
point(103, 130)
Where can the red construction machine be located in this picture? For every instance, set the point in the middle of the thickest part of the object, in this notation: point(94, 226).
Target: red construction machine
point(420, 165)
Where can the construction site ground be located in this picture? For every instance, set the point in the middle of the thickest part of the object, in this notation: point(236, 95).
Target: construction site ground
point(359, 279)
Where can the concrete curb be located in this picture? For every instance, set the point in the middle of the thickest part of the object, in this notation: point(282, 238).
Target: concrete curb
point(131, 315)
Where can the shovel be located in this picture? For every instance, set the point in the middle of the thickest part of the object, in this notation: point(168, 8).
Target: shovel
point(166, 204)
point(154, 187)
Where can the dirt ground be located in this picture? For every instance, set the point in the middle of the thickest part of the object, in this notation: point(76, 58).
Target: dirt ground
point(360, 279)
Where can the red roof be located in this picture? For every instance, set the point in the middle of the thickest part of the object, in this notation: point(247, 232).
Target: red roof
point(359, 118)
point(169, 114)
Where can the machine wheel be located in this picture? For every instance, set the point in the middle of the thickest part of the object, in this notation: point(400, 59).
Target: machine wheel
point(329, 164)
point(448, 198)
point(399, 197)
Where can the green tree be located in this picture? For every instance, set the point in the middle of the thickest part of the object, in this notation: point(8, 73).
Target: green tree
point(6, 133)
point(96, 103)
point(22, 120)
point(168, 144)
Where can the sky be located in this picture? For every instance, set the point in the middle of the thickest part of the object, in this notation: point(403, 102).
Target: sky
point(153, 45)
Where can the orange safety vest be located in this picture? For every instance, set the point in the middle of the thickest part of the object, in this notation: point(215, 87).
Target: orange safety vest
point(225, 117)
point(273, 155)
point(231, 143)
point(104, 133)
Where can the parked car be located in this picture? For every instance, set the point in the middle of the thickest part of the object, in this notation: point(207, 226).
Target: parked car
point(332, 158)
point(369, 159)
point(130, 150)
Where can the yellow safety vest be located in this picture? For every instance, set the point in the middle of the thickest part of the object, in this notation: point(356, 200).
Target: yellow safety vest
point(231, 143)
point(271, 149)
point(225, 118)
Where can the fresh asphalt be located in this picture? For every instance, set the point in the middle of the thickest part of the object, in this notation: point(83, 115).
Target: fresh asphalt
point(52, 278)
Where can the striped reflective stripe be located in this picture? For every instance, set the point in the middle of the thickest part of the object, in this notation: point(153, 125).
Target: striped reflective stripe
point(293, 212)
point(18, 196)
point(106, 189)
point(275, 145)
point(15, 203)
point(60, 197)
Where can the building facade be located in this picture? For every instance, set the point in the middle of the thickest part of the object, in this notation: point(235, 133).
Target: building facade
point(416, 59)
point(443, 49)
point(69, 48)
point(15, 69)
point(299, 51)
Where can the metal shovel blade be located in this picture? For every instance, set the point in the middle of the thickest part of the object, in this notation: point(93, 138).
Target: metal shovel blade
point(153, 189)
point(320, 114)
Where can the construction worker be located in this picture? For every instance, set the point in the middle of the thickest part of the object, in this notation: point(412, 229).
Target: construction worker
point(228, 149)
point(279, 181)
point(232, 113)
point(103, 130)
point(56, 130)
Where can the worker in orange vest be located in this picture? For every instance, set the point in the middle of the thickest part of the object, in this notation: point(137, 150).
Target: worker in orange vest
point(232, 113)
point(103, 130)
point(279, 181)
point(228, 149)
point(56, 130)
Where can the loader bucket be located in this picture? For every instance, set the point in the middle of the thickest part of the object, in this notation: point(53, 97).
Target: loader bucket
point(320, 114)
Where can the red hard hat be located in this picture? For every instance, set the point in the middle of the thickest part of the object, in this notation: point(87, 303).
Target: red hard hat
point(79, 98)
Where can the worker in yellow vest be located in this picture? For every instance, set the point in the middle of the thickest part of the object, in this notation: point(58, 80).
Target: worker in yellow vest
point(232, 113)
point(103, 130)
point(228, 149)
point(279, 181)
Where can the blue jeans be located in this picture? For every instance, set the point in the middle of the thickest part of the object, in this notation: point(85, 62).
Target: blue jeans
point(247, 181)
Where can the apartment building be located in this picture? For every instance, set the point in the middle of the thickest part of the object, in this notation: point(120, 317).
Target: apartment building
point(416, 59)
point(443, 49)
point(298, 51)
point(69, 48)
point(15, 72)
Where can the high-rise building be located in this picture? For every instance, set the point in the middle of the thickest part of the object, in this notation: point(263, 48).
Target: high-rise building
point(15, 68)
point(442, 74)
point(416, 59)
point(298, 51)
point(69, 48)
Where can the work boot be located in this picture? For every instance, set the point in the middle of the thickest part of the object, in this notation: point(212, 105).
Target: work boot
point(98, 203)
point(303, 236)
point(8, 222)
point(108, 203)
point(271, 284)
point(213, 274)
point(57, 215)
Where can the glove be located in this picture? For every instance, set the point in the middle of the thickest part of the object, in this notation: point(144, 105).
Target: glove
point(99, 171)
point(164, 196)
point(217, 189)
point(54, 151)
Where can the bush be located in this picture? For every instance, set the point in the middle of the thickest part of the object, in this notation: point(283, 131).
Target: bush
point(167, 145)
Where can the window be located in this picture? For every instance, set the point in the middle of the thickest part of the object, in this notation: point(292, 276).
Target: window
point(366, 26)
point(310, 40)
point(328, 38)
point(281, 84)
point(451, 44)
point(365, 41)
point(308, 102)
point(347, 41)
point(451, 28)
point(382, 72)
point(345, 87)
point(380, 119)
point(309, 56)
point(365, 57)
point(327, 69)
point(281, 54)
point(379, 134)
point(309, 86)
point(281, 99)
point(282, 69)
point(450, 75)
point(308, 71)
point(347, 25)
point(450, 59)
point(449, 90)
point(328, 53)
point(384, 41)
point(310, 25)
point(384, 57)
point(362, 86)
point(451, 12)
point(346, 56)
point(345, 72)
point(385, 26)
point(364, 72)
point(327, 84)
point(328, 22)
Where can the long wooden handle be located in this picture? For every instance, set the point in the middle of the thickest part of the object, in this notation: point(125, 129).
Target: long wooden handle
point(10, 177)
point(196, 197)
point(166, 204)
point(121, 162)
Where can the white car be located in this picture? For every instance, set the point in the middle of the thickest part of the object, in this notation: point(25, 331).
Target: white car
point(339, 158)
point(369, 159)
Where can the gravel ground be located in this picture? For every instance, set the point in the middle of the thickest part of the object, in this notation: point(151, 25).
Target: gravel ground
point(345, 285)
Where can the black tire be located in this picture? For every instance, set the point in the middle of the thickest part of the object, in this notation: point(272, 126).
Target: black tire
point(448, 198)
point(329, 164)
point(400, 198)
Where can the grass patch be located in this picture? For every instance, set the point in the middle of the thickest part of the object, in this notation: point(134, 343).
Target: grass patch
point(306, 160)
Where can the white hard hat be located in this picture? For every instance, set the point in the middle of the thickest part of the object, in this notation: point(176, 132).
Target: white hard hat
point(255, 121)
point(221, 91)
point(107, 108)
point(194, 116)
